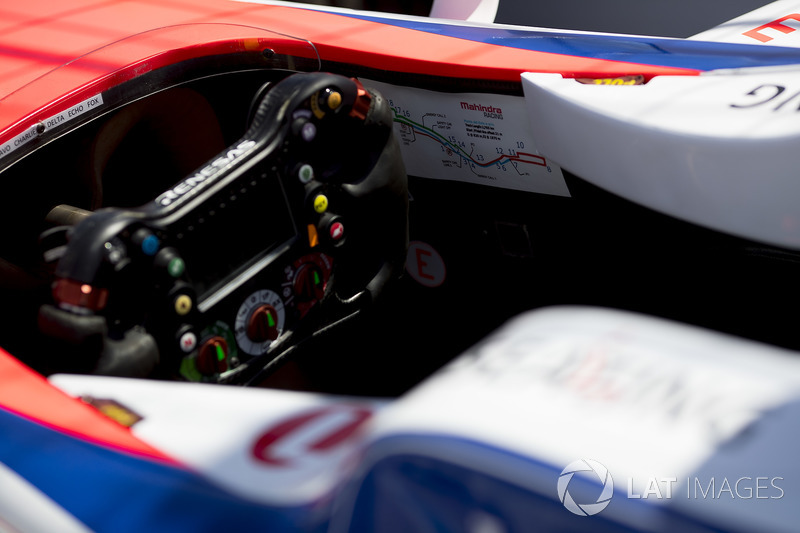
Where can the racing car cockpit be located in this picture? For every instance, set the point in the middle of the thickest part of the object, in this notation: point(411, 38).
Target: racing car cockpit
point(234, 203)
point(201, 218)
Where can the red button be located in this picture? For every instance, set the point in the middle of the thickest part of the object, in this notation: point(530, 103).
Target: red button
point(79, 294)
point(337, 231)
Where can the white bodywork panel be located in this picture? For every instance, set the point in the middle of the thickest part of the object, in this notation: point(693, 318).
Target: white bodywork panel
point(719, 150)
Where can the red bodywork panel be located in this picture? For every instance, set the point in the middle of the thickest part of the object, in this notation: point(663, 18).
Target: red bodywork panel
point(79, 27)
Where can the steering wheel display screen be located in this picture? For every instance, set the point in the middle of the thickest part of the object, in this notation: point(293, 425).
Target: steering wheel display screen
point(234, 229)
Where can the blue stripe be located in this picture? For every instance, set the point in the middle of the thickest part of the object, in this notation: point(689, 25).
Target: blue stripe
point(113, 491)
point(417, 482)
point(697, 55)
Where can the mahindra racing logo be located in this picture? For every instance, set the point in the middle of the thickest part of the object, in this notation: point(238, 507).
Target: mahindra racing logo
point(774, 25)
point(318, 431)
point(489, 111)
point(204, 174)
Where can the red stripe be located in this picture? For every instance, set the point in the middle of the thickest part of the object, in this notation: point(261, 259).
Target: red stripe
point(28, 394)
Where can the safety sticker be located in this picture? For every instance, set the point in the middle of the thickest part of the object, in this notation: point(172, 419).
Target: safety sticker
point(425, 265)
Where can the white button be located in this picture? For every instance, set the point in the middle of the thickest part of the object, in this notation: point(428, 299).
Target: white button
point(188, 341)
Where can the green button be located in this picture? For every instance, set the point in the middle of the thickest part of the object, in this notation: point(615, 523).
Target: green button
point(176, 267)
point(306, 173)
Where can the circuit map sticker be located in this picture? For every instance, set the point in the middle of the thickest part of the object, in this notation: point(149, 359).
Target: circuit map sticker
point(470, 137)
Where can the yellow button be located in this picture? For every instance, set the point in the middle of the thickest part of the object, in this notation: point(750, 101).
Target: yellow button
point(321, 203)
point(334, 99)
point(183, 304)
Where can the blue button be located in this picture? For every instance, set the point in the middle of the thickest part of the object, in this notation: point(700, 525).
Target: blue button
point(150, 245)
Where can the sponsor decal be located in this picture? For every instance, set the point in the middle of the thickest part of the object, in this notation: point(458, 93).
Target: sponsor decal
point(778, 25)
point(196, 180)
point(489, 111)
point(771, 95)
point(114, 410)
point(622, 80)
point(318, 431)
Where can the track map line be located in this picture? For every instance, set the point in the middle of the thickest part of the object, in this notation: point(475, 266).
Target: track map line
point(522, 157)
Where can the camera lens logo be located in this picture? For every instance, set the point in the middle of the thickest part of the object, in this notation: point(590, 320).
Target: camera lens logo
point(602, 473)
